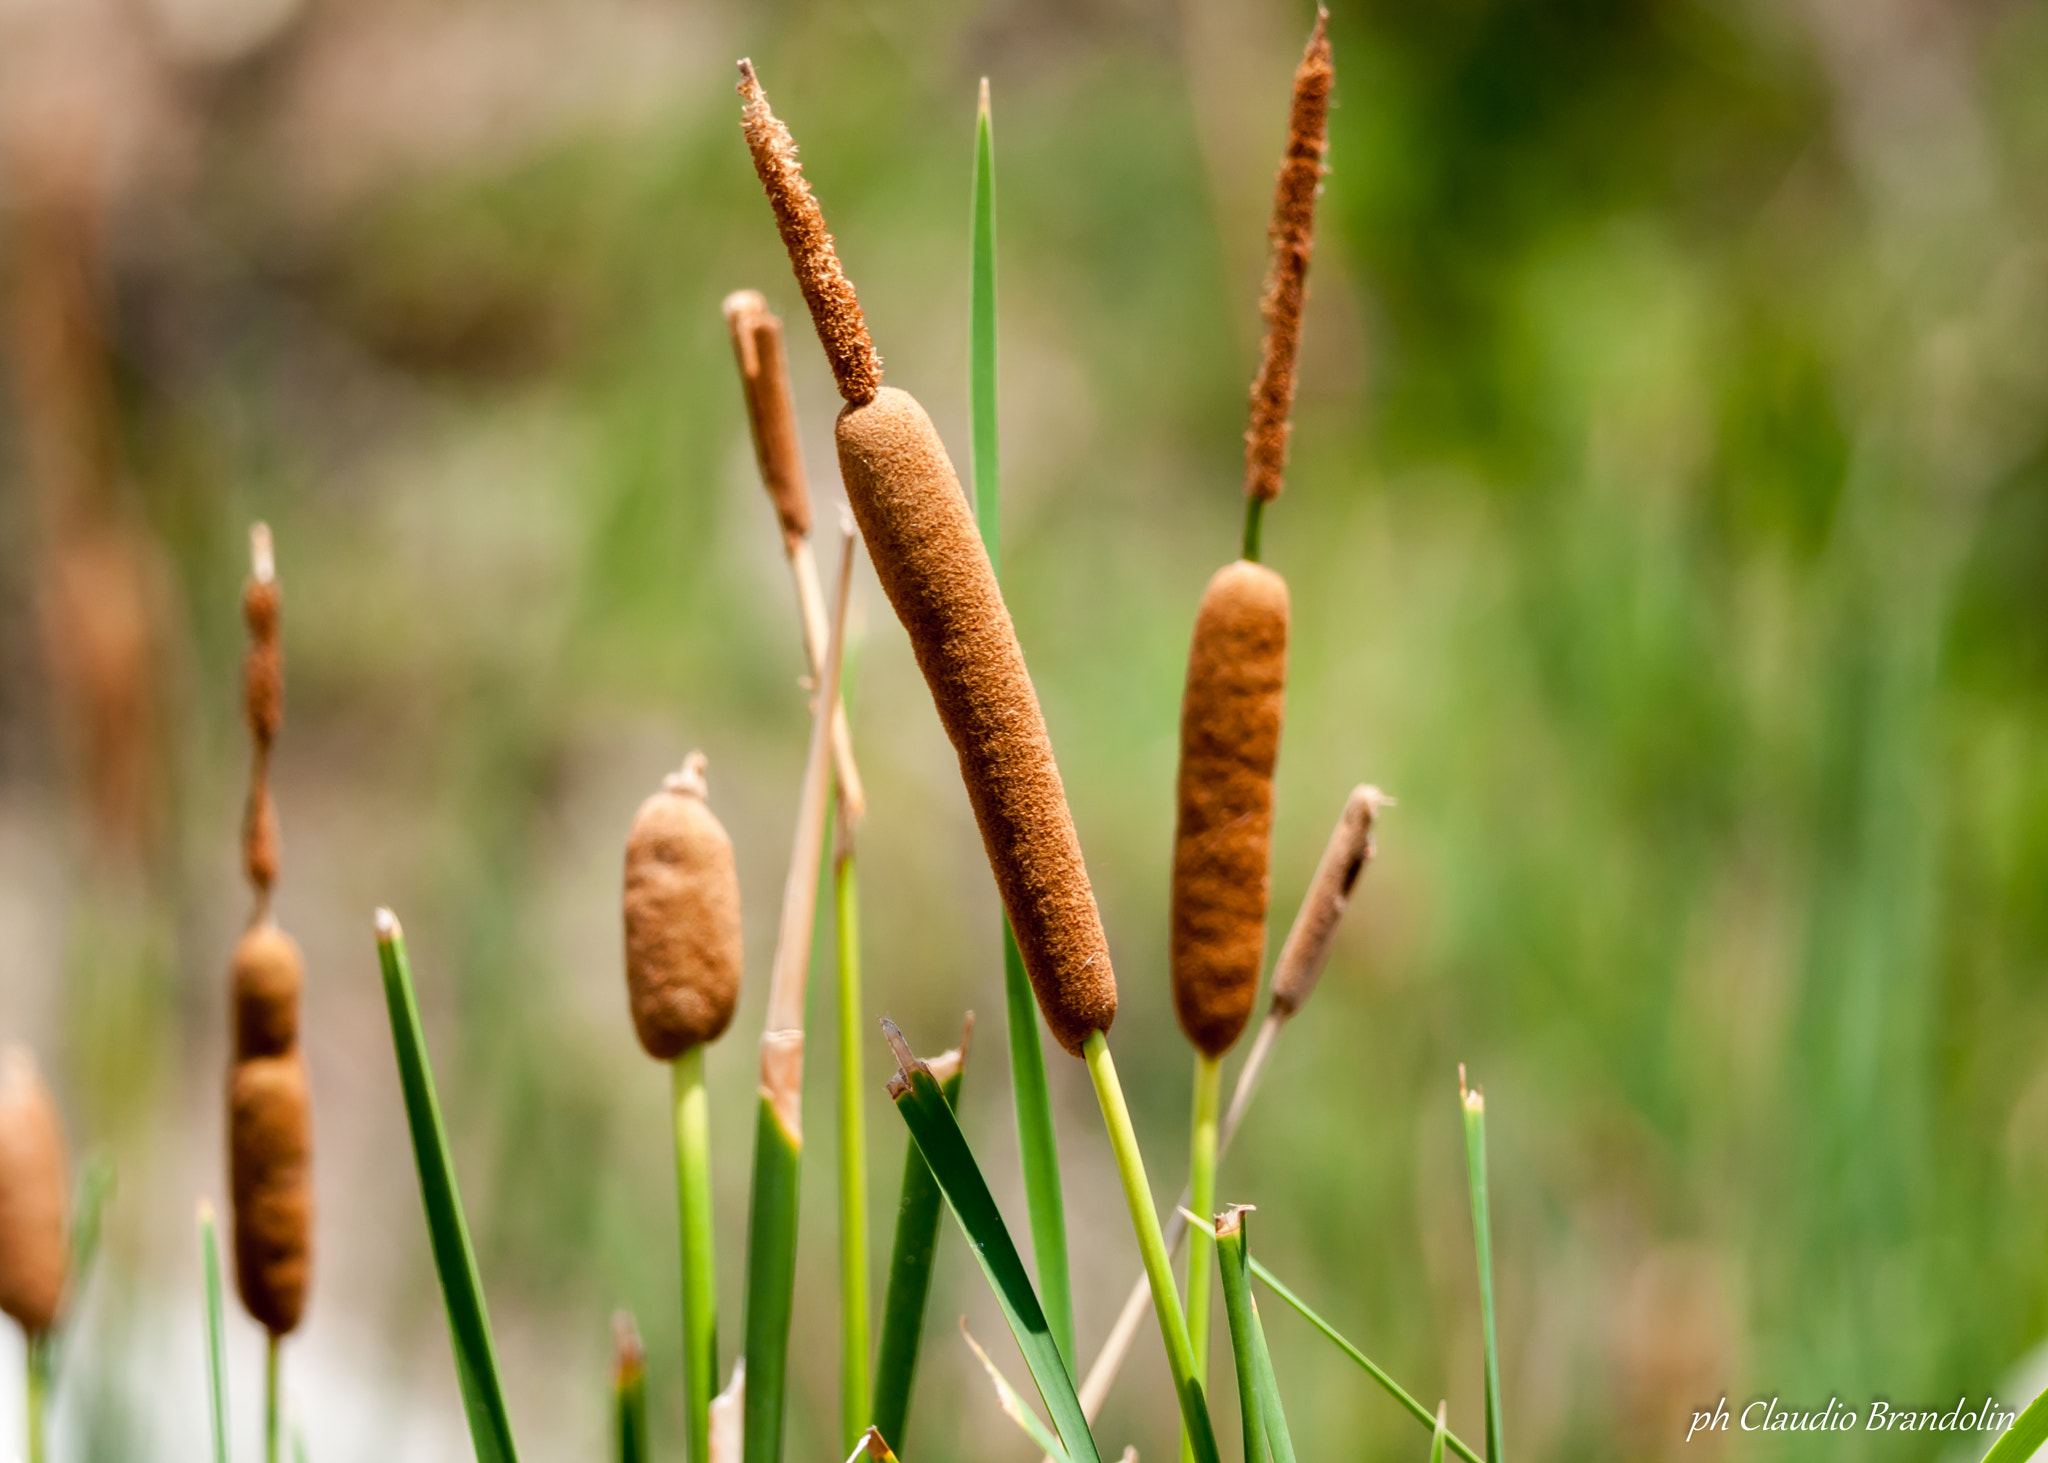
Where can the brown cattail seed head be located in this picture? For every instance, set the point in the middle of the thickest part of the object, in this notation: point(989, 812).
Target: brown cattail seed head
point(267, 974)
point(771, 412)
point(1229, 740)
point(682, 908)
point(1345, 856)
point(1292, 236)
point(929, 557)
point(263, 665)
point(835, 310)
point(259, 837)
point(34, 1190)
point(270, 1172)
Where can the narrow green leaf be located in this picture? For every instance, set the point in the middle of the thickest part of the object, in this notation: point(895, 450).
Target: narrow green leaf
point(1267, 1422)
point(945, 1149)
point(1037, 1140)
point(1436, 1441)
point(2024, 1438)
point(629, 1391)
point(88, 1210)
point(771, 1282)
point(469, 1326)
point(1013, 1404)
point(1237, 1309)
point(216, 1336)
point(910, 1277)
point(1474, 1104)
point(1371, 1368)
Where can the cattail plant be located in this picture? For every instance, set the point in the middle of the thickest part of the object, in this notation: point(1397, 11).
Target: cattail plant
point(681, 911)
point(932, 565)
point(771, 417)
point(1232, 708)
point(34, 1194)
point(270, 1158)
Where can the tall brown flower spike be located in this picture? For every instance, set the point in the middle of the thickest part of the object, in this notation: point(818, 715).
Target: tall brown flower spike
point(764, 378)
point(929, 558)
point(1292, 235)
point(263, 708)
point(682, 917)
point(835, 310)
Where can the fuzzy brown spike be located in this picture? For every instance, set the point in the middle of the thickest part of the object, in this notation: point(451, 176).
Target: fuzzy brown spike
point(263, 707)
point(835, 310)
point(682, 918)
point(1292, 235)
point(1345, 856)
point(764, 380)
point(270, 1172)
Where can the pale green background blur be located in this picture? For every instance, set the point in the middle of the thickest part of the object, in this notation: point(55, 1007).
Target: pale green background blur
point(1667, 528)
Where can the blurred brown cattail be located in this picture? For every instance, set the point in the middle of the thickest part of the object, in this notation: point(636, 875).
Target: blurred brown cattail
point(764, 379)
point(270, 1119)
point(34, 1190)
point(270, 1175)
point(1307, 949)
point(263, 708)
point(929, 557)
point(1292, 237)
point(682, 914)
point(1229, 741)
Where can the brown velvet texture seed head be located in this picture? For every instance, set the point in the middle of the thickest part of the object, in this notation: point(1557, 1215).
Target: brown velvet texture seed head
point(1292, 236)
point(929, 557)
point(682, 914)
point(267, 973)
point(771, 413)
point(263, 665)
point(1345, 856)
point(34, 1190)
point(835, 309)
point(1229, 741)
point(270, 1174)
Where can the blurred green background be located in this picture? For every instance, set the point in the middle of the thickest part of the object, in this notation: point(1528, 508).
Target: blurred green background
point(1667, 528)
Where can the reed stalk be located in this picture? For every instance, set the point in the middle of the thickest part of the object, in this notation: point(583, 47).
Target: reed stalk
point(271, 1429)
point(1173, 1331)
point(1030, 1094)
point(778, 1132)
point(36, 1400)
point(1473, 1101)
point(691, 1124)
point(1202, 1188)
point(216, 1335)
point(855, 1396)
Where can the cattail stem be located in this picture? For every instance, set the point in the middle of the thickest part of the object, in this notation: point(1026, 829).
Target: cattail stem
point(1202, 1188)
point(854, 1393)
point(1474, 1103)
point(629, 1391)
point(1173, 1330)
point(1254, 526)
point(216, 1335)
point(37, 1397)
point(691, 1120)
point(270, 1416)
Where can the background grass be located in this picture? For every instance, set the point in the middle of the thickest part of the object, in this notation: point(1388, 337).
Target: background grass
point(1667, 529)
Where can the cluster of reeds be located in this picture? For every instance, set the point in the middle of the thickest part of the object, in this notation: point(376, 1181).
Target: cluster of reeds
point(935, 552)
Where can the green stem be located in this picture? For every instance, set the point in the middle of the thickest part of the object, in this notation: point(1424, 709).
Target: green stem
point(1202, 1199)
point(270, 1389)
point(910, 1281)
point(629, 1414)
point(692, 1125)
point(854, 1395)
point(771, 1281)
point(38, 1397)
point(1254, 523)
point(216, 1336)
point(1237, 1306)
point(1482, 1240)
point(1180, 1357)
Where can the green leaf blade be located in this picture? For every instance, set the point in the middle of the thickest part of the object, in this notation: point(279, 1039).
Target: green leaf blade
point(469, 1326)
point(910, 1282)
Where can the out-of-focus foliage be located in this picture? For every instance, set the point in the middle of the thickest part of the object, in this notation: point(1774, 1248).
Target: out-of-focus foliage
point(1667, 528)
